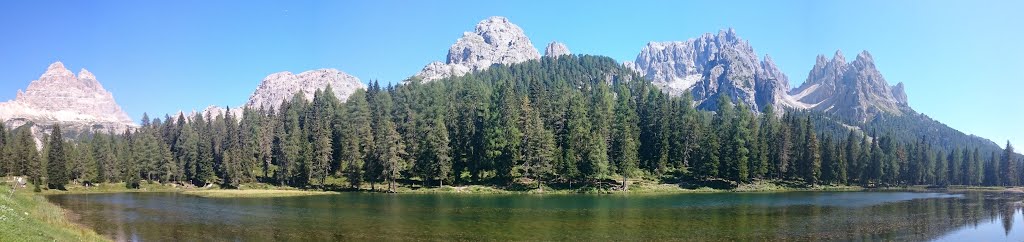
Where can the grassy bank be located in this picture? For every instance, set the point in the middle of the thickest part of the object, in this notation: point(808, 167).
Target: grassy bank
point(252, 193)
point(27, 216)
point(637, 186)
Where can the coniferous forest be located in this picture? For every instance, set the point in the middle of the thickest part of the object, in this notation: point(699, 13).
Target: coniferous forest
point(572, 121)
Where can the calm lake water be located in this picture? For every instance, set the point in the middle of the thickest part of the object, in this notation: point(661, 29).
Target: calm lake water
point(688, 217)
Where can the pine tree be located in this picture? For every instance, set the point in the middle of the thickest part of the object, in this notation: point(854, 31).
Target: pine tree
point(602, 104)
point(502, 132)
point(1009, 166)
point(57, 159)
point(187, 152)
point(956, 167)
point(812, 174)
point(625, 136)
point(708, 153)
point(853, 151)
point(435, 152)
point(5, 157)
point(537, 146)
point(320, 136)
point(358, 137)
point(28, 161)
point(577, 140)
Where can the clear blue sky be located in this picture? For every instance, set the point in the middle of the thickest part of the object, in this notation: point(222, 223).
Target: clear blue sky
point(961, 61)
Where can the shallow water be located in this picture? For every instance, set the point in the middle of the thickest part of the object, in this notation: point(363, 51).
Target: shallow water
point(717, 216)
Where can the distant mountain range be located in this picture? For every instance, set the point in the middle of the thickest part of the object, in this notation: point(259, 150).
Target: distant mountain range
point(707, 67)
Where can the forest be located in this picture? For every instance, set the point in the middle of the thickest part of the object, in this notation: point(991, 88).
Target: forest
point(571, 121)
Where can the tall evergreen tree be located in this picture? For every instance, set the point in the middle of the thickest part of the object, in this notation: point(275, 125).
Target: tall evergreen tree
point(537, 146)
point(57, 159)
point(502, 132)
point(357, 138)
point(1009, 166)
point(625, 136)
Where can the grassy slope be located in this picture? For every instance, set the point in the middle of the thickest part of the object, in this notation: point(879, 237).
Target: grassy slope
point(27, 216)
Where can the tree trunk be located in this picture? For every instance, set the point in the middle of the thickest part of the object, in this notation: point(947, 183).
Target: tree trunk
point(540, 185)
point(625, 184)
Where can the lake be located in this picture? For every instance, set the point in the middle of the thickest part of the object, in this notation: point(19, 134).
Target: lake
point(687, 217)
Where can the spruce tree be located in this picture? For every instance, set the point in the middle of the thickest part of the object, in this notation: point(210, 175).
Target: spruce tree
point(1009, 166)
point(358, 137)
point(537, 146)
point(502, 132)
point(625, 136)
point(57, 159)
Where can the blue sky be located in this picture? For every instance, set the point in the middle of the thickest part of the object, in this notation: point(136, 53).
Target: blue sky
point(961, 61)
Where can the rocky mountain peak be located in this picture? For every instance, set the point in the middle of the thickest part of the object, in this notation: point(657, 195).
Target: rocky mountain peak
point(86, 75)
point(281, 86)
point(856, 90)
point(495, 40)
point(712, 65)
point(556, 49)
point(57, 69)
point(78, 103)
point(838, 57)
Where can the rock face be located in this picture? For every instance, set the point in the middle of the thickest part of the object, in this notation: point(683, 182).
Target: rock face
point(78, 103)
point(853, 90)
point(281, 86)
point(713, 65)
point(494, 41)
point(556, 49)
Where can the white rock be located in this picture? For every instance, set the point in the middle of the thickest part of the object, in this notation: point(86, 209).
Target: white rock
point(556, 49)
point(281, 86)
point(59, 97)
point(495, 40)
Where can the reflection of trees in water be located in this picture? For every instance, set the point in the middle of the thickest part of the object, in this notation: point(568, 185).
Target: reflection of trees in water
point(925, 219)
point(1006, 212)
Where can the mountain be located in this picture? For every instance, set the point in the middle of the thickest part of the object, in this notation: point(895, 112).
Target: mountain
point(713, 65)
point(281, 86)
point(79, 103)
point(854, 90)
point(495, 40)
point(556, 49)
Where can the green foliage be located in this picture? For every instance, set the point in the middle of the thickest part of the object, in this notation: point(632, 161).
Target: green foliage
point(573, 120)
point(57, 159)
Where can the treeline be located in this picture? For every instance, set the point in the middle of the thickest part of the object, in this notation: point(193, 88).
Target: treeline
point(571, 121)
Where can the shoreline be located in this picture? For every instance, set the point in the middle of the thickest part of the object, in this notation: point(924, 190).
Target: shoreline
point(259, 190)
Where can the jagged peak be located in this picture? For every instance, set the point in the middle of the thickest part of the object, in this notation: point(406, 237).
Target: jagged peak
point(494, 20)
point(555, 49)
point(839, 57)
point(865, 56)
point(86, 75)
point(56, 66)
point(729, 33)
point(57, 69)
point(821, 60)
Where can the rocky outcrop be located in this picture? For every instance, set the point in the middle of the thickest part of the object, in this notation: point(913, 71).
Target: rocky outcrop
point(713, 65)
point(79, 103)
point(282, 86)
point(495, 40)
point(556, 49)
point(854, 90)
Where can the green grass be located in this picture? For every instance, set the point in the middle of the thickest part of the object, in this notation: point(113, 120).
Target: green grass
point(27, 216)
point(118, 187)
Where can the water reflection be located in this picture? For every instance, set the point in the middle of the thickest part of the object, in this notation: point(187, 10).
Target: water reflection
point(864, 216)
point(1000, 215)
